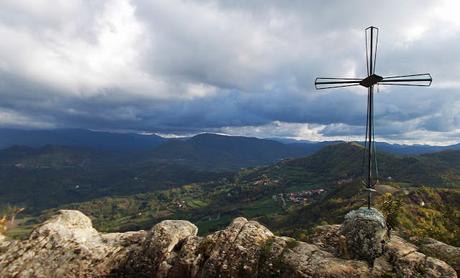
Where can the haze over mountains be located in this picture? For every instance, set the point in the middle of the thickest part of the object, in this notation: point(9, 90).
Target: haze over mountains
point(78, 138)
point(111, 141)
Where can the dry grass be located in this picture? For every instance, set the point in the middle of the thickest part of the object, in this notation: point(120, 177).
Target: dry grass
point(7, 222)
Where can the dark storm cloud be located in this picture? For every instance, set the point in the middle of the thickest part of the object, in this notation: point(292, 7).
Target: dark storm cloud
point(242, 67)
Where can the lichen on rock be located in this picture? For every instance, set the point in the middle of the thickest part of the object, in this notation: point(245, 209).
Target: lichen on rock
point(365, 233)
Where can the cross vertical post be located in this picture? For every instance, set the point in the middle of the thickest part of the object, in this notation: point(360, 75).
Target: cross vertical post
point(370, 92)
point(369, 143)
point(422, 80)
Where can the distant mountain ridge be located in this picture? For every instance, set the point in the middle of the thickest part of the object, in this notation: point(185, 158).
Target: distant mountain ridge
point(78, 138)
point(214, 143)
point(381, 146)
point(413, 149)
point(230, 152)
point(344, 160)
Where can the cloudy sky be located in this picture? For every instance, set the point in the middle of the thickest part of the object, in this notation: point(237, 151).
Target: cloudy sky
point(236, 67)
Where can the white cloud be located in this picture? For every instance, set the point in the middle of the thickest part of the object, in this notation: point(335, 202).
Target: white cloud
point(9, 118)
point(277, 129)
point(236, 66)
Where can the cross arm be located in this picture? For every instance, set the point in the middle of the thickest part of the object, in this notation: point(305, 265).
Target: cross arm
point(322, 83)
point(420, 80)
point(372, 40)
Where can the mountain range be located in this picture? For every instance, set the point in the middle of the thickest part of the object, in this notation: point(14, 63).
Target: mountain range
point(210, 179)
point(53, 175)
point(78, 138)
point(50, 168)
point(111, 141)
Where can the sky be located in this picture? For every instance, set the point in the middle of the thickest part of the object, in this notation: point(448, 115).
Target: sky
point(234, 67)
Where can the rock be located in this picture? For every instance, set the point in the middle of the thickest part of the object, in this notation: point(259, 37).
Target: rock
point(67, 224)
point(238, 258)
point(397, 247)
point(307, 260)
point(442, 251)
point(437, 268)
point(188, 260)
point(329, 238)
point(4, 242)
point(382, 267)
point(365, 233)
point(163, 239)
point(408, 262)
point(159, 248)
point(68, 246)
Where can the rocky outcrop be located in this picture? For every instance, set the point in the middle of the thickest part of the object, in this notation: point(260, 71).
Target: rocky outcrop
point(68, 246)
point(407, 261)
point(442, 251)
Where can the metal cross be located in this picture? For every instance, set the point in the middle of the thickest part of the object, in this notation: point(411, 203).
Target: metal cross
point(423, 80)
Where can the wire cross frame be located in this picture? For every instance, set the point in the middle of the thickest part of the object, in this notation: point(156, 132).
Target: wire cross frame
point(372, 79)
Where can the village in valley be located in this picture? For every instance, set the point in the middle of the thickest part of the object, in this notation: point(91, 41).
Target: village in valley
point(299, 198)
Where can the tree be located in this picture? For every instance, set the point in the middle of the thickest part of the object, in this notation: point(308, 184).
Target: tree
point(391, 208)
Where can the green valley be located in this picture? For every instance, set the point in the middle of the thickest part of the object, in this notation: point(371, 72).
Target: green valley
point(294, 195)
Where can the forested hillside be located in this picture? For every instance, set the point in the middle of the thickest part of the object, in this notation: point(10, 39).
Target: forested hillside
point(290, 196)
